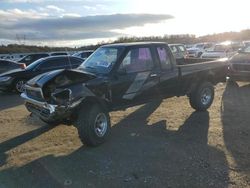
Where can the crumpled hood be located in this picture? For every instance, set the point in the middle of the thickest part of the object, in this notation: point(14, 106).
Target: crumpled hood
point(63, 76)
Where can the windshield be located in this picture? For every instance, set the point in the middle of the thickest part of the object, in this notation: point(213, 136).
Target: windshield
point(34, 64)
point(102, 60)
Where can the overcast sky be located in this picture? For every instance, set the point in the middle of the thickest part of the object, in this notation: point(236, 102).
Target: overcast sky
point(81, 22)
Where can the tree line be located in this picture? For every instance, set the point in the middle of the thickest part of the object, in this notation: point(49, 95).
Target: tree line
point(185, 39)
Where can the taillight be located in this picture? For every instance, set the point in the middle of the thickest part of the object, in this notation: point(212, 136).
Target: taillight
point(23, 65)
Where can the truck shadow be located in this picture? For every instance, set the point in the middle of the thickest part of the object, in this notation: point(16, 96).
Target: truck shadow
point(236, 126)
point(9, 100)
point(21, 139)
point(138, 154)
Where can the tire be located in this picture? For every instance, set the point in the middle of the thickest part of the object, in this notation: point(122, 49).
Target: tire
point(93, 125)
point(19, 85)
point(199, 54)
point(202, 97)
point(232, 82)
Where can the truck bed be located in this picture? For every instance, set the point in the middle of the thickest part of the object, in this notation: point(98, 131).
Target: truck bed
point(187, 61)
point(214, 71)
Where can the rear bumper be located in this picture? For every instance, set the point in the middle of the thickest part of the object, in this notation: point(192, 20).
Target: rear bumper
point(44, 110)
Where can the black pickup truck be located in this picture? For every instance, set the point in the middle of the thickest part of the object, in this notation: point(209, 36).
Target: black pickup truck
point(115, 77)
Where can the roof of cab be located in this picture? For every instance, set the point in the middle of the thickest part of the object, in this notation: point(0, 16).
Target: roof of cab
point(133, 44)
point(176, 44)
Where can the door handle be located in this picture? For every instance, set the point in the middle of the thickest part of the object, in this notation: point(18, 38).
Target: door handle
point(153, 75)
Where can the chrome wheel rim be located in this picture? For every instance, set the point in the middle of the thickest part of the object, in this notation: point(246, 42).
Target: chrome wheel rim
point(206, 96)
point(20, 86)
point(101, 124)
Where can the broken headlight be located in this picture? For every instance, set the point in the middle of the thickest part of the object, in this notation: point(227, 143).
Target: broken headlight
point(62, 97)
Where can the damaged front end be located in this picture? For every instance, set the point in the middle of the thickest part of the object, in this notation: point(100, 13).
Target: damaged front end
point(54, 96)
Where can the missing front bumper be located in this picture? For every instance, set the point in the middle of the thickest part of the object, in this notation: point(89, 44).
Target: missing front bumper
point(44, 110)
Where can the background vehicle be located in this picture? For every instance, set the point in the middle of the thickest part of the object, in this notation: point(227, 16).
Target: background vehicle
point(6, 65)
point(239, 65)
point(83, 54)
point(116, 77)
point(246, 43)
point(16, 79)
point(179, 51)
point(28, 59)
point(222, 50)
point(58, 53)
point(198, 49)
point(189, 46)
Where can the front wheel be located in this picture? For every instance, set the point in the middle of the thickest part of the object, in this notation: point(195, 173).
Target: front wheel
point(202, 97)
point(93, 125)
point(19, 85)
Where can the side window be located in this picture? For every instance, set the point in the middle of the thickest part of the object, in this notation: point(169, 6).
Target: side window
point(182, 49)
point(4, 64)
point(75, 61)
point(137, 60)
point(43, 55)
point(53, 64)
point(28, 58)
point(164, 58)
point(174, 49)
point(84, 55)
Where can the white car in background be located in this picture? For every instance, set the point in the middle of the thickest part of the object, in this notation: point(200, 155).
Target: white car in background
point(198, 49)
point(222, 50)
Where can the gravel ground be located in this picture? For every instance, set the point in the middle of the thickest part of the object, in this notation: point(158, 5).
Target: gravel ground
point(160, 144)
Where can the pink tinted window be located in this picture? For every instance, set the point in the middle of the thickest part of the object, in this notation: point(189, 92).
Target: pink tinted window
point(138, 60)
point(162, 54)
point(144, 54)
point(164, 58)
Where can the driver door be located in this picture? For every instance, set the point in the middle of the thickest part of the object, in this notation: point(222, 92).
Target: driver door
point(136, 79)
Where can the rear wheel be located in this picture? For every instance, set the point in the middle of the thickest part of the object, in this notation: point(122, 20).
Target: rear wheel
point(93, 125)
point(202, 97)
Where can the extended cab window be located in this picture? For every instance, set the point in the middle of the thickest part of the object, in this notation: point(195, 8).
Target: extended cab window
point(164, 58)
point(137, 60)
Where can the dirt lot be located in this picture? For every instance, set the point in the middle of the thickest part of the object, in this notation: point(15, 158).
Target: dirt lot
point(161, 144)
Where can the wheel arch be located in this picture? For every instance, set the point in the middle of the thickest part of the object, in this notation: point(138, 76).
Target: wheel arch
point(210, 77)
point(91, 100)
